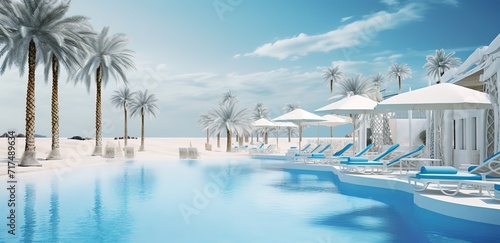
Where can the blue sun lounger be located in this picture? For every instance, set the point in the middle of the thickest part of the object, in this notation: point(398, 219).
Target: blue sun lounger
point(449, 181)
point(363, 165)
point(320, 157)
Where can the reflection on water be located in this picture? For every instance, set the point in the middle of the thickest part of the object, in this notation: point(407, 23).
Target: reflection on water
point(129, 202)
point(29, 213)
point(97, 209)
point(54, 211)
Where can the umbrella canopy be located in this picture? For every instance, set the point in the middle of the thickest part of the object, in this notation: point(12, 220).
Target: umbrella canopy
point(444, 96)
point(263, 122)
point(299, 116)
point(333, 120)
point(355, 104)
point(285, 124)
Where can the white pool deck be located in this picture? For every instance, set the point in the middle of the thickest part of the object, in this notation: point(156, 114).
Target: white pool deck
point(468, 204)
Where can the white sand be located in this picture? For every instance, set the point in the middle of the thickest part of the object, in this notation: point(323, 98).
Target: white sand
point(78, 153)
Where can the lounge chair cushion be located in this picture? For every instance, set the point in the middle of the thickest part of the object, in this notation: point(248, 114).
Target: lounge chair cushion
point(497, 187)
point(363, 163)
point(317, 155)
point(438, 170)
point(357, 159)
point(449, 176)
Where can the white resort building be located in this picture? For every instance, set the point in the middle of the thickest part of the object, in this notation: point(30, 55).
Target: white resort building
point(473, 134)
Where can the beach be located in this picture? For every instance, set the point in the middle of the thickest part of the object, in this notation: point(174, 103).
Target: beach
point(78, 152)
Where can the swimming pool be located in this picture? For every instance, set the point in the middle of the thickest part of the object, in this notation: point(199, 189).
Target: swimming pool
point(220, 201)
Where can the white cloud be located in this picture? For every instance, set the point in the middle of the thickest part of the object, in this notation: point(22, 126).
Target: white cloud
point(353, 34)
point(390, 2)
point(392, 57)
point(346, 18)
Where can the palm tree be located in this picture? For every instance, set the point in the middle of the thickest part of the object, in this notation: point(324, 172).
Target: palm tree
point(399, 72)
point(121, 99)
point(75, 32)
point(378, 81)
point(205, 121)
point(107, 56)
point(34, 27)
point(226, 98)
point(143, 103)
point(357, 85)
point(231, 119)
point(260, 111)
point(333, 75)
point(290, 107)
point(438, 64)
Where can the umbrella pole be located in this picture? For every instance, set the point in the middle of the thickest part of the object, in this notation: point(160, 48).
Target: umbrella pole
point(318, 133)
point(300, 136)
point(353, 134)
point(277, 135)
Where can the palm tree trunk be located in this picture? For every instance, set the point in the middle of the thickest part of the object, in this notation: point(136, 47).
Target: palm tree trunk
point(266, 137)
point(142, 130)
point(98, 120)
point(331, 87)
point(29, 155)
point(55, 153)
point(218, 140)
point(208, 136)
point(228, 143)
point(289, 135)
point(399, 82)
point(125, 128)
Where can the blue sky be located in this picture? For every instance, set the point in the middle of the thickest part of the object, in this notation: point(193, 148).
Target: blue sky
point(189, 52)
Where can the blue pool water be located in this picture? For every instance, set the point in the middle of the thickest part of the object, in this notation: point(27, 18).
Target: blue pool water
point(226, 201)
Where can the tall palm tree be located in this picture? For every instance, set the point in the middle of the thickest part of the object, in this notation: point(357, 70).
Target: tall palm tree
point(333, 75)
point(107, 56)
point(290, 107)
point(33, 27)
point(260, 111)
point(438, 64)
point(378, 81)
point(143, 103)
point(231, 119)
point(75, 31)
point(399, 72)
point(121, 99)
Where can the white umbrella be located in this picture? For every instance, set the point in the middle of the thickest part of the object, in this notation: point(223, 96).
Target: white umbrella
point(355, 104)
point(299, 116)
point(280, 125)
point(444, 96)
point(263, 122)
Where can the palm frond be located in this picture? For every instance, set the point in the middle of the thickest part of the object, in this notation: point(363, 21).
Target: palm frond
point(402, 71)
point(439, 63)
